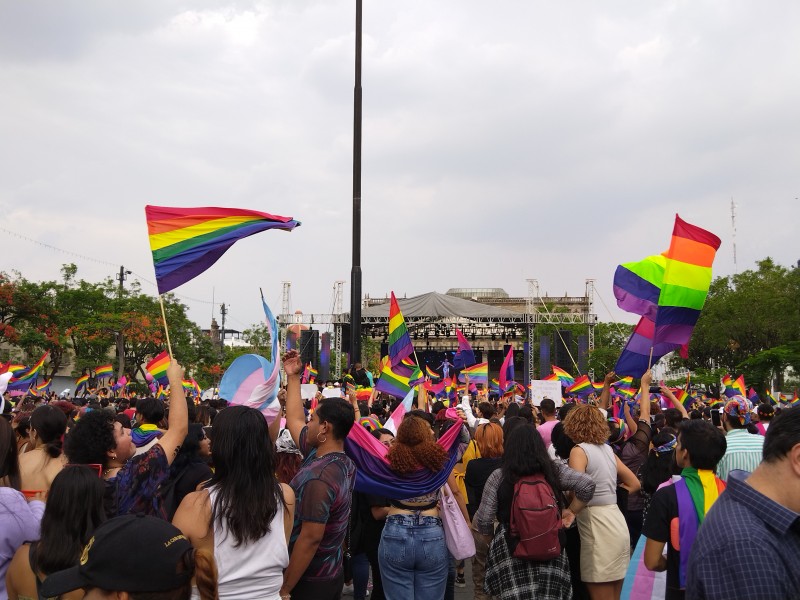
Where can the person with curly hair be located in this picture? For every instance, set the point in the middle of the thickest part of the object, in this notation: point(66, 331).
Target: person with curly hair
point(131, 482)
point(605, 542)
point(413, 557)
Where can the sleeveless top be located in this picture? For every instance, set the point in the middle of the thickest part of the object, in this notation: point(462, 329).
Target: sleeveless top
point(602, 468)
point(253, 570)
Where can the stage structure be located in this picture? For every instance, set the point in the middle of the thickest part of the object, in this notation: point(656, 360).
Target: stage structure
point(489, 318)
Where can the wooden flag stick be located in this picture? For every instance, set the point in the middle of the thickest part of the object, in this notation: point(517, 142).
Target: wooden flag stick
point(166, 329)
point(650, 360)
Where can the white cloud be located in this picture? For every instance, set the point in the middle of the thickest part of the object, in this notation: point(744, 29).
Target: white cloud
point(500, 142)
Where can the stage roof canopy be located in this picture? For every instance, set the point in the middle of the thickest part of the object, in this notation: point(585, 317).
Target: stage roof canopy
point(441, 306)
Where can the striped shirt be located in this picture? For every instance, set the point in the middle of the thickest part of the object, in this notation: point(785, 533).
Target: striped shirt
point(744, 452)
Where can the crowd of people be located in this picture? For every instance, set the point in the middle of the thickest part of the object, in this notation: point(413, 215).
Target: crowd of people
point(147, 499)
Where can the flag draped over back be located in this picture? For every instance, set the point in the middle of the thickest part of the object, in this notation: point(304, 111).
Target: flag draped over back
point(187, 241)
point(464, 356)
point(399, 341)
point(374, 475)
point(668, 291)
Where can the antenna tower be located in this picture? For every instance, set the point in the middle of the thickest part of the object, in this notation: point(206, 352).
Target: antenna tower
point(733, 226)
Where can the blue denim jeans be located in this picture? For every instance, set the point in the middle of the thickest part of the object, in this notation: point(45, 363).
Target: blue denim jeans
point(413, 558)
point(360, 576)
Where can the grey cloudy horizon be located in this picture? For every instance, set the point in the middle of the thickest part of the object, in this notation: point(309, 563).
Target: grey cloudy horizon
point(500, 142)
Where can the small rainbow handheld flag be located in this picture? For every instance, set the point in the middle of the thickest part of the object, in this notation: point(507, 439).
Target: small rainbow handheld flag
point(80, 382)
point(104, 371)
point(478, 373)
point(431, 373)
point(43, 387)
point(564, 377)
point(158, 368)
point(400, 346)
point(582, 385)
point(31, 374)
point(187, 241)
point(551, 377)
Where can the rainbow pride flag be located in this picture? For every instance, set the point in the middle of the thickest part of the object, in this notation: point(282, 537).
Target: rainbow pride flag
point(770, 397)
point(104, 371)
point(400, 346)
point(582, 385)
point(80, 382)
point(684, 398)
point(564, 377)
point(668, 291)
point(478, 373)
point(43, 387)
point(552, 377)
point(727, 380)
point(187, 241)
point(157, 368)
point(597, 387)
point(393, 381)
point(431, 373)
point(31, 374)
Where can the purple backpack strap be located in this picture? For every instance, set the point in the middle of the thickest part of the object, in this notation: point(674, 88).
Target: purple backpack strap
point(687, 526)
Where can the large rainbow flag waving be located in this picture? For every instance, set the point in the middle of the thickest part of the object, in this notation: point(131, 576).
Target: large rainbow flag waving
point(187, 241)
point(668, 291)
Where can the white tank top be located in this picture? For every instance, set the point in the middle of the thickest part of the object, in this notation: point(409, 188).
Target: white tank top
point(253, 571)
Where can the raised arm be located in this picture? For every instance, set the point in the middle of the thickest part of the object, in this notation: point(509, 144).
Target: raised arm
point(604, 401)
point(178, 413)
point(644, 398)
point(275, 426)
point(675, 402)
point(295, 417)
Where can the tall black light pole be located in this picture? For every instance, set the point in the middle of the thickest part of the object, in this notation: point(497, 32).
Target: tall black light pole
point(355, 271)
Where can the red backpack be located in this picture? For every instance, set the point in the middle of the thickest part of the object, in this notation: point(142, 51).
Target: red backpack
point(535, 519)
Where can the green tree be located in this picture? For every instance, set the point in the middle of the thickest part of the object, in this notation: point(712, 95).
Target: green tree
point(749, 324)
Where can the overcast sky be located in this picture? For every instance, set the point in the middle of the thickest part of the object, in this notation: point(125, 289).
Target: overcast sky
point(502, 141)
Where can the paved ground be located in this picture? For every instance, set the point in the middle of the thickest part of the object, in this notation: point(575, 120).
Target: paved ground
point(465, 593)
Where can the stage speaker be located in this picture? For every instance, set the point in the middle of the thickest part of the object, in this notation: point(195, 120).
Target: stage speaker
point(309, 347)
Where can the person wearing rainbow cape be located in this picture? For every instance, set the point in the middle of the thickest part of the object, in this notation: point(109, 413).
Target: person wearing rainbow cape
point(677, 511)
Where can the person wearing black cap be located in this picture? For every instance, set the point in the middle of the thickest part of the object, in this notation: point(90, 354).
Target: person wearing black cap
point(159, 559)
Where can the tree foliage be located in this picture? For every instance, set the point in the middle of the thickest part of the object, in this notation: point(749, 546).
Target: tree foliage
point(751, 325)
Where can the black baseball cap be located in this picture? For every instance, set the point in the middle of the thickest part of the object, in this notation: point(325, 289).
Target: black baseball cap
point(133, 553)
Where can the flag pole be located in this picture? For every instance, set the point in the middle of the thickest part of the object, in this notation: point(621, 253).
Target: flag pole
point(650, 360)
point(166, 329)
